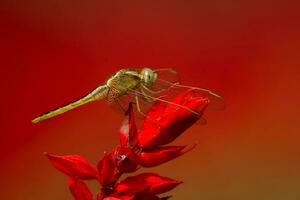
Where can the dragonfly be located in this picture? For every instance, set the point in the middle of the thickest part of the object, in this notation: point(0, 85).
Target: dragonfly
point(141, 86)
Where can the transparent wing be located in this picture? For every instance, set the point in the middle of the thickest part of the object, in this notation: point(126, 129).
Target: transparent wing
point(144, 101)
point(173, 88)
point(118, 103)
point(168, 83)
point(165, 78)
point(165, 88)
point(216, 101)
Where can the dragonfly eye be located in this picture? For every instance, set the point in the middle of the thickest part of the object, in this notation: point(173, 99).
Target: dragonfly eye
point(148, 77)
point(154, 77)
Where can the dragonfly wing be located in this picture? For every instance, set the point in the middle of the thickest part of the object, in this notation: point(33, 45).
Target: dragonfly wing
point(217, 102)
point(168, 81)
point(165, 78)
point(143, 104)
point(120, 104)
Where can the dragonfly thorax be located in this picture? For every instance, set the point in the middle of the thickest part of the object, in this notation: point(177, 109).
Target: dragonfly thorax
point(148, 77)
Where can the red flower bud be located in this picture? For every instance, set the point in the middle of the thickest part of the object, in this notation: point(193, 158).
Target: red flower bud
point(165, 122)
point(147, 182)
point(79, 189)
point(161, 155)
point(108, 172)
point(74, 165)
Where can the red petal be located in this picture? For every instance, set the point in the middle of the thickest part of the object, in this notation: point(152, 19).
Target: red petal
point(157, 110)
point(120, 198)
point(79, 189)
point(132, 127)
point(161, 155)
point(160, 184)
point(171, 121)
point(73, 165)
point(108, 172)
point(147, 182)
point(128, 130)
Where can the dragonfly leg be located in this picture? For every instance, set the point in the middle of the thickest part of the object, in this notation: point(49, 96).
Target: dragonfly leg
point(148, 98)
point(152, 91)
point(217, 102)
point(142, 113)
point(196, 88)
point(138, 106)
point(154, 99)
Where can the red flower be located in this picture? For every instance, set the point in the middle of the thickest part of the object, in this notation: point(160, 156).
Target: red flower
point(150, 158)
point(74, 166)
point(165, 122)
point(79, 189)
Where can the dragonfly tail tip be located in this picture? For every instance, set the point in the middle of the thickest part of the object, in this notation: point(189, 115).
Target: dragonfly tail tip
point(35, 120)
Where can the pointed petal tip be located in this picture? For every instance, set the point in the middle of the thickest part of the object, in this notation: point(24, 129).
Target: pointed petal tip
point(186, 149)
point(49, 155)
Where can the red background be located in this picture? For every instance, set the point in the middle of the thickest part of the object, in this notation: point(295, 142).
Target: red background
point(53, 52)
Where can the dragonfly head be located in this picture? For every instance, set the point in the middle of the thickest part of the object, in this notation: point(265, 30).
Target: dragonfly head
point(148, 77)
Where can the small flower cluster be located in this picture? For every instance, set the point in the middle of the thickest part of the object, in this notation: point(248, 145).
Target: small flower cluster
point(137, 148)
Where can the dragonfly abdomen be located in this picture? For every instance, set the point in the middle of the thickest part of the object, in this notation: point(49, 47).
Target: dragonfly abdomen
point(99, 93)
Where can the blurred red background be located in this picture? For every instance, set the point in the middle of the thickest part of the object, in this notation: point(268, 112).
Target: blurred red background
point(53, 52)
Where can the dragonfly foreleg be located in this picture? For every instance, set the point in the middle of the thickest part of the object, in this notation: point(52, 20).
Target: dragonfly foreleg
point(138, 106)
point(153, 91)
point(147, 98)
point(142, 113)
point(196, 88)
